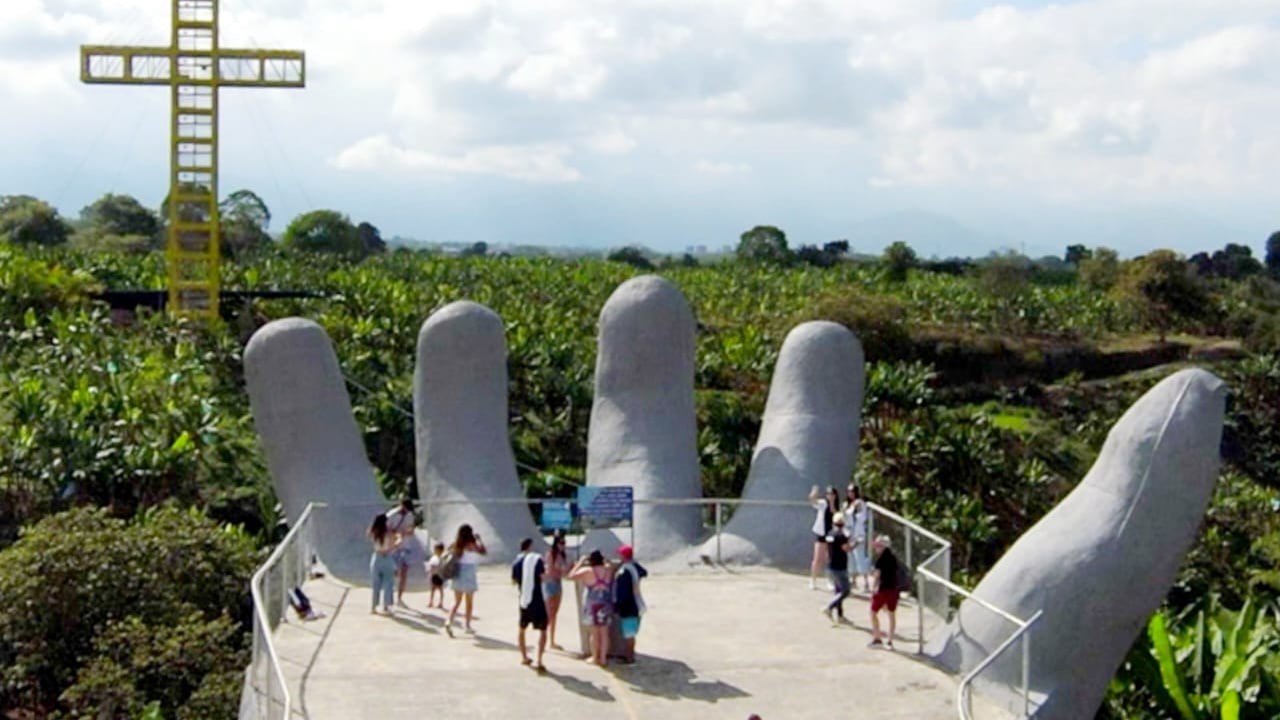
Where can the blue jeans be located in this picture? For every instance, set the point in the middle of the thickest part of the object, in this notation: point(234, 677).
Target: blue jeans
point(840, 579)
point(382, 572)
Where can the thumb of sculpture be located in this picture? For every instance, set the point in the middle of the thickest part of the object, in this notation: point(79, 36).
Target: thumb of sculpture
point(1102, 561)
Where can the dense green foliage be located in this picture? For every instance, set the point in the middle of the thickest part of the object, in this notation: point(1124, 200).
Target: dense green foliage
point(129, 417)
point(100, 613)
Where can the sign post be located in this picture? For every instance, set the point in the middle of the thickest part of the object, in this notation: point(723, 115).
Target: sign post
point(601, 508)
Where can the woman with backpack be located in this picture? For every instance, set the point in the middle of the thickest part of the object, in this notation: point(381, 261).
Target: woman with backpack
point(465, 555)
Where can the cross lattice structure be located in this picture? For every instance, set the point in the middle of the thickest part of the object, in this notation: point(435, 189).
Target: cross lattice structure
point(194, 67)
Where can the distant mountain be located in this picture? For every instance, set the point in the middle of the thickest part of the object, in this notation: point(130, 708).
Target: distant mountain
point(928, 233)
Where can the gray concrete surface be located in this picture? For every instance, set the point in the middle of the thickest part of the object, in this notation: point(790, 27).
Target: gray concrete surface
point(643, 430)
point(460, 419)
point(1102, 561)
point(715, 644)
point(314, 449)
point(808, 436)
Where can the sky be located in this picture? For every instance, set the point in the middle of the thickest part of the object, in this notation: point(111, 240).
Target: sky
point(961, 126)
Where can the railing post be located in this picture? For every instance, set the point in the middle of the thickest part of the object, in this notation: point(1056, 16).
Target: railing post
point(284, 586)
point(717, 506)
point(908, 551)
point(1026, 672)
point(920, 581)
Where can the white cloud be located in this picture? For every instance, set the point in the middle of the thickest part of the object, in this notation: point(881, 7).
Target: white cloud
point(611, 142)
point(534, 164)
point(1061, 101)
point(715, 167)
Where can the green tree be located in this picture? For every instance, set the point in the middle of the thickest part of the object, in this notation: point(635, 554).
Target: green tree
point(1101, 271)
point(370, 239)
point(120, 215)
point(898, 260)
point(325, 231)
point(478, 249)
point(244, 220)
point(836, 248)
point(631, 255)
point(764, 244)
point(1235, 262)
point(1005, 275)
point(82, 589)
point(1273, 255)
point(25, 220)
point(1077, 253)
point(1164, 289)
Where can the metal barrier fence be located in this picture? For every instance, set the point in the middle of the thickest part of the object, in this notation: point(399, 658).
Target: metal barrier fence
point(286, 568)
point(926, 552)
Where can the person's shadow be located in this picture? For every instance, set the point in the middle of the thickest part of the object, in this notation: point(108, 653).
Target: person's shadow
point(586, 689)
point(672, 679)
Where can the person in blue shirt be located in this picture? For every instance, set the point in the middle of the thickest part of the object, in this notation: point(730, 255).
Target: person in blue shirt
point(526, 573)
point(628, 601)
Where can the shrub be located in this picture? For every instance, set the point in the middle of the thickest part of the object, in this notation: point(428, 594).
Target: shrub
point(879, 321)
point(83, 591)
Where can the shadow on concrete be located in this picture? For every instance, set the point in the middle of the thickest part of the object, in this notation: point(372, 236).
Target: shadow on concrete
point(673, 679)
point(577, 686)
point(488, 643)
point(418, 621)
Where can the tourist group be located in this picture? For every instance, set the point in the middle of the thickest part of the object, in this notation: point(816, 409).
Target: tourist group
point(610, 588)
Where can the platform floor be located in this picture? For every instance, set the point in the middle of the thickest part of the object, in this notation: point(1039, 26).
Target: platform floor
point(715, 644)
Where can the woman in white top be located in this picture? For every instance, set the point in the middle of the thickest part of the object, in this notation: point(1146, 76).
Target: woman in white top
point(856, 511)
point(467, 550)
point(826, 506)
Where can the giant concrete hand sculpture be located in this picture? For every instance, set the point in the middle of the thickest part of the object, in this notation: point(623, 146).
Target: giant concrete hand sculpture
point(460, 411)
point(1100, 563)
point(313, 446)
point(808, 436)
point(643, 427)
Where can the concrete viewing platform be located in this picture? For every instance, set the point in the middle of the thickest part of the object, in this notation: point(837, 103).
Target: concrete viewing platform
point(715, 643)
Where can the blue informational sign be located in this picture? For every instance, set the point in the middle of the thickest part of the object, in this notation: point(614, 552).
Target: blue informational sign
point(556, 515)
point(605, 507)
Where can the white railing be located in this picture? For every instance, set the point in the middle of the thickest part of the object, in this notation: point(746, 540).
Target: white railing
point(286, 568)
point(1021, 636)
point(289, 564)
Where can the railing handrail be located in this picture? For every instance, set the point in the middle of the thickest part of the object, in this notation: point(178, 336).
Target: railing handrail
point(968, 595)
point(259, 611)
point(915, 527)
point(965, 691)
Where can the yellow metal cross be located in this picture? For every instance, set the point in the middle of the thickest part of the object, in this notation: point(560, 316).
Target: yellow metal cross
point(194, 67)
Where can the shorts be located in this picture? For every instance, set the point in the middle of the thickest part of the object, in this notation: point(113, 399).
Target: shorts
point(630, 626)
point(436, 581)
point(465, 580)
point(597, 614)
point(402, 556)
point(535, 615)
point(820, 538)
point(884, 599)
point(552, 588)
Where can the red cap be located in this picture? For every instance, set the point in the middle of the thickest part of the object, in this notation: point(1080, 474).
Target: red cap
point(625, 552)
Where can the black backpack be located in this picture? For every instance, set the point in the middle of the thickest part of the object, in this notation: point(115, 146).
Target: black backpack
point(448, 566)
point(903, 580)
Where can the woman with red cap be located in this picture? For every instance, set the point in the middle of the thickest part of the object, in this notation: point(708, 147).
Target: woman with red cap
point(628, 602)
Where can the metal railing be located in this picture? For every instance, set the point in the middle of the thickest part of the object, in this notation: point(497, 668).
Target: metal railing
point(287, 567)
point(1021, 635)
point(289, 564)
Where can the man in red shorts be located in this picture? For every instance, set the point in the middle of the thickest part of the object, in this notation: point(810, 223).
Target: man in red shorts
point(886, 594)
